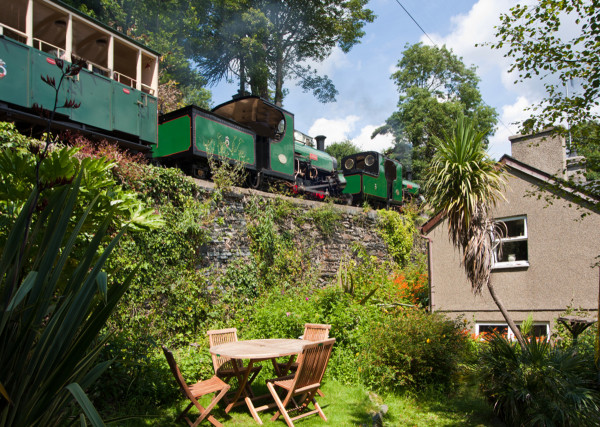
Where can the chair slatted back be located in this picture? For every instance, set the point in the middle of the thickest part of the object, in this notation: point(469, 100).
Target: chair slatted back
point(316, 332)
point(183, 387)
point(222, 336)
point(314, 359)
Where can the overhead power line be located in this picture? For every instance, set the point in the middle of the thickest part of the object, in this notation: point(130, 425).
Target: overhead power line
point(415, 21)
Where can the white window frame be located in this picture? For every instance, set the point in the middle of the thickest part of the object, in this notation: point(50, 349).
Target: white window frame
point(497, 242)
point(510, 333)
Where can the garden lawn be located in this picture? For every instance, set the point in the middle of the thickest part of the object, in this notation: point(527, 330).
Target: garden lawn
point(343, 406)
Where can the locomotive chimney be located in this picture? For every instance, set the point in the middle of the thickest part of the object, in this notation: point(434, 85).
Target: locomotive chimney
point(320, 142)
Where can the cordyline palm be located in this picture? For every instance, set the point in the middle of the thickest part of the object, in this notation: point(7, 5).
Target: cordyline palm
point(463, 183)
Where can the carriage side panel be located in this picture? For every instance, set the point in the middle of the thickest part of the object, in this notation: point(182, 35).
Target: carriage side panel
point(94, 92)
point(214, 136)
point(174, 137)
point(14, 73)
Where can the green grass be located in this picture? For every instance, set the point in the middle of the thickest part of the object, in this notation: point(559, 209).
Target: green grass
point(343, 406)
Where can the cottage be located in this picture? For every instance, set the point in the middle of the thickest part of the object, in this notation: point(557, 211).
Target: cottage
point(549, 255)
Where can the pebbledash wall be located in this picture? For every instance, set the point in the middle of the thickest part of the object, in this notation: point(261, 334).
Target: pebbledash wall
point(229, 239)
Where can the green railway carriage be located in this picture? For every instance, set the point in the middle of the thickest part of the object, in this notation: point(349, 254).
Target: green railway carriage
point(116, 89)
point(373, 177)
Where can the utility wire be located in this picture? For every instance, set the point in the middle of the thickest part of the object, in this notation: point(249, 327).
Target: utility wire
point(415, 21)
point(435, 44)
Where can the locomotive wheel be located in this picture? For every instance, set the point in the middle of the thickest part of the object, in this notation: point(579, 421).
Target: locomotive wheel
point(255, 179)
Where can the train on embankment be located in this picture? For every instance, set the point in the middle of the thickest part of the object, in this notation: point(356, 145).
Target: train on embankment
point(117, 92)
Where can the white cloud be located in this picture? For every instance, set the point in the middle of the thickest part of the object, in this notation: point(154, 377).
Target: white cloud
point(336, 130)
point(379, 143)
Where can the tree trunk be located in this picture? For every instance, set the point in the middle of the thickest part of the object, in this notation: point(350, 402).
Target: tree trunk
point(279, 80)
point(242, 90)
point(507, 317)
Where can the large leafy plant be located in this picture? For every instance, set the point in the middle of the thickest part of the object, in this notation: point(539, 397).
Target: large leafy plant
point(49, 323)
point(541, 384)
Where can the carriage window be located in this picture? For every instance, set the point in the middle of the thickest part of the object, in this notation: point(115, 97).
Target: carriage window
point(511, 248)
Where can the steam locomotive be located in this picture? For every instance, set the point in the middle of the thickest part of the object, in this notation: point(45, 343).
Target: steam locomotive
point(117, 91)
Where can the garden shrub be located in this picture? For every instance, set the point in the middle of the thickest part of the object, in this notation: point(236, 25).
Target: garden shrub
point(543, 384)
point(398, 233)
point(413, 349)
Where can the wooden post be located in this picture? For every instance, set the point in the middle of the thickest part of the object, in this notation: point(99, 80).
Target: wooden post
point(29, 23)
point(69, 39)
point(110, 61)
point(138, 72)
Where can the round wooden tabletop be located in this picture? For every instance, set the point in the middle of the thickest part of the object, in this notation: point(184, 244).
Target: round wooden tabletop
point(259, 349)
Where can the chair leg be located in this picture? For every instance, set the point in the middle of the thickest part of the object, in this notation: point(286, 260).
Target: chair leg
point(280, 405)
point(318, 408)
point(205, 412)
point(183, 414)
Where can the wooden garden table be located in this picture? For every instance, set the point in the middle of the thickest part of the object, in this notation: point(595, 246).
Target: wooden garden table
point(256, 351)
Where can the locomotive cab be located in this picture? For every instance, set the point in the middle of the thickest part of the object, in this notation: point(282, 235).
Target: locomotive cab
point(371, 176)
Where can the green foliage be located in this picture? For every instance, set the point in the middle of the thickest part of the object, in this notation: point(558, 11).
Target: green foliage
point(541, 384)
point(341, 149)
point(277, 257)
point(50, 322)
point(326, 218)
point(586, 140)
point(398, 233)
point(435, 89)
point(529, 31)
point(413, 349)
point(18, 159)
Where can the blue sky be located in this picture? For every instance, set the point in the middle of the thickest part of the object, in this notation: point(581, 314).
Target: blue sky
point(367, 96)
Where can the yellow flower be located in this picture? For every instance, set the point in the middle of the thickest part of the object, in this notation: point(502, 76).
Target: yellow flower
point(189, 308)
point(428, 340)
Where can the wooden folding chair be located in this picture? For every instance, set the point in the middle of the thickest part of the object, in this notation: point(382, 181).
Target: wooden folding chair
point(305, 382)
point(312, 332)
point(223, 365)
point(195, 391)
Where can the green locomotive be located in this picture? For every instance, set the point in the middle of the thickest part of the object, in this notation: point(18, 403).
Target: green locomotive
point(372, 177)
point(254, 132)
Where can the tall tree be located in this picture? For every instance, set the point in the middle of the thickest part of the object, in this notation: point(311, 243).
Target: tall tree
point(281, 36)
point(435, 89)
point(556, 41)
point(341, 149)
point(463, 183)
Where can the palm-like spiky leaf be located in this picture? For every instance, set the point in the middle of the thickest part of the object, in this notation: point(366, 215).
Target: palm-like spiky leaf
point(50, 321)
point(464, 183)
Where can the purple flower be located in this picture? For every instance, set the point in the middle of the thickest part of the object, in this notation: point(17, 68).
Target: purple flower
point(288, 314)
point(306, 298)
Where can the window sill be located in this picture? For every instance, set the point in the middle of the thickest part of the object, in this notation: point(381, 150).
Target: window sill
point(514, 264)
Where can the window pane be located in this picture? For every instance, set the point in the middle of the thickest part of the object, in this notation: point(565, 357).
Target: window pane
point(488, 329)
point(540, 331)
point(512, 227)
point(513, 251)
